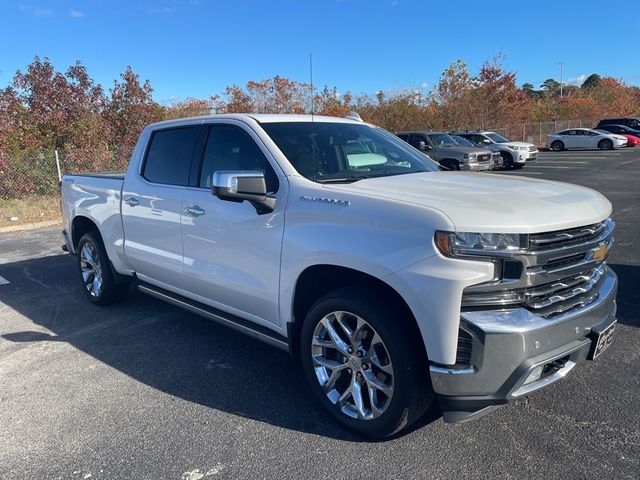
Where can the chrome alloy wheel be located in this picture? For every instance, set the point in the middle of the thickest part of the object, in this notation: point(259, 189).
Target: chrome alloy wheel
point(352, 365)
point(91, 270)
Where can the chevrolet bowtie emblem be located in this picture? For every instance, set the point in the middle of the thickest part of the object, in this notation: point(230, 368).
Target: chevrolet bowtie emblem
point(601, 253)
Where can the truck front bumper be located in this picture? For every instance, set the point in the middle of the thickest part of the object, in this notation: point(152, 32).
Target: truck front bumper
point(511, 347)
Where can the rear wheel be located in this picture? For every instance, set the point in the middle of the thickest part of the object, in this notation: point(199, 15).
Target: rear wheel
point(605, 144)
point(557, 146)
point(364, 363)
point(96, 277)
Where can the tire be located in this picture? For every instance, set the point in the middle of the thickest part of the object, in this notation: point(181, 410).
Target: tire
point(605, 144)
point(507, 158)
point(452, 165)
point(557, 146)
point(94, 271)
point(393, 360)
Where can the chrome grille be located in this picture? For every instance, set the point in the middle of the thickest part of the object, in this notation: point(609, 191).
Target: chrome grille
point(484, 158)
point(561, 238)
point(561, 270)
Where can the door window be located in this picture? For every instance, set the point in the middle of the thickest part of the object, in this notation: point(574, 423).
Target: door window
point(231, 148)
point(168, 158)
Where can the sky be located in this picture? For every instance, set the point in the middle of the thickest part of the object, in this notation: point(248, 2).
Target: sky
point(195, 48)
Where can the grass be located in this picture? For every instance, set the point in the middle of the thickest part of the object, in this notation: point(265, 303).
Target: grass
point(32, 209)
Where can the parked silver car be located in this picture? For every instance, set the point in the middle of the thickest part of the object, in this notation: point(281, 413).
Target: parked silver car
point(442, 148)
point(585, 138)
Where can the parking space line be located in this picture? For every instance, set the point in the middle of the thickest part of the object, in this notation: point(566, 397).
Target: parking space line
point(548, 166)
point(4, 281)
point(560, 161)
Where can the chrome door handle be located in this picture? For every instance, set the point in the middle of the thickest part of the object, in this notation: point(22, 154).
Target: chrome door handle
point(131, 201)
point(194, 211)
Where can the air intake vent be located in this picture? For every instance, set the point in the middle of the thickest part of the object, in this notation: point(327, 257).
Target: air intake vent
point(465, 349)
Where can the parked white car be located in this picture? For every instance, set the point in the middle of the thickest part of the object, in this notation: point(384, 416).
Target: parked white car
point(575, 138)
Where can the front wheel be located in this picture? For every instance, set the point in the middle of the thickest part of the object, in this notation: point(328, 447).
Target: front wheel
point(605, 144)
point(96, 277)
point(508, 160)
point(364, 363)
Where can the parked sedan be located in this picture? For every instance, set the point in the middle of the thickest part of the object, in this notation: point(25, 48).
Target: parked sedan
point(577, 138)
point(631, 134)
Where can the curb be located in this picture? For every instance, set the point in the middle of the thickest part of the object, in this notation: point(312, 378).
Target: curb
point(31, 226)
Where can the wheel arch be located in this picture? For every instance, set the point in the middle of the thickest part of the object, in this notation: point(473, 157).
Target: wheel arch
point(318, 280)
point(81, 225)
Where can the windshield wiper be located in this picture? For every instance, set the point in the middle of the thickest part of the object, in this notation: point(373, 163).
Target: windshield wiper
point(343, 180)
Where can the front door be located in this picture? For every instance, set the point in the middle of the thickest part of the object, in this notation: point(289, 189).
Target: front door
point(232, 253)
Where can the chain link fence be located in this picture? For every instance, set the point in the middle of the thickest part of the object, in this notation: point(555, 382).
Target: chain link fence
point(30, 186)
point(536, 133)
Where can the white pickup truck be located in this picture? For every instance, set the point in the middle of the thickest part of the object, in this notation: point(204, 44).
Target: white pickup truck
point(393, 283)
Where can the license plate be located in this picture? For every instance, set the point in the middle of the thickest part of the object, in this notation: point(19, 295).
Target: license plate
point(600, 341)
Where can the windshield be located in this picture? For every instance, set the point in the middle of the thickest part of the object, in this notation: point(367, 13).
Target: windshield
point(442, 140)
point(343, 152)
point(497, 138)
point(463, 142)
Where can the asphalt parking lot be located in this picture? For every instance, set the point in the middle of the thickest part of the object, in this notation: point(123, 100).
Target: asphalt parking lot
point(142, 390)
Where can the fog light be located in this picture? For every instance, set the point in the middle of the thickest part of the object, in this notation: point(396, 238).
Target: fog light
point(535, 374)
point(522, 157)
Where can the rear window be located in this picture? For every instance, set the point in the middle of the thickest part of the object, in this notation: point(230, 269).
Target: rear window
point(168, 159)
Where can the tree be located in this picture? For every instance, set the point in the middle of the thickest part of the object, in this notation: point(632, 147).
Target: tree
point(551, 86)
point(528, 88)
point(453, 95)
point(591, 81)
point(130, 108)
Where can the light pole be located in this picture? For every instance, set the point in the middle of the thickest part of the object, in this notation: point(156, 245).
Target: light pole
point(561, 83)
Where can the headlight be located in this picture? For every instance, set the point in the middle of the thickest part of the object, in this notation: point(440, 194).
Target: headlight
point(516, 147)
point(457, 243)
point(469, 155)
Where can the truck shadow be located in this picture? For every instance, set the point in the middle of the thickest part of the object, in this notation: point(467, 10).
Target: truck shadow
point(166, 348)
point(187, 356)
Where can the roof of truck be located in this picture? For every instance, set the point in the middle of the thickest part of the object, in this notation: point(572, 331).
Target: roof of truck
point(265, 118)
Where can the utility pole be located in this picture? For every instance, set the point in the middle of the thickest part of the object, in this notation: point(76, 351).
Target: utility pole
point(561, 83)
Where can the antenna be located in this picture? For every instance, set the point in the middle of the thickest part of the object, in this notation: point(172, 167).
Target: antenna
point(311, 80)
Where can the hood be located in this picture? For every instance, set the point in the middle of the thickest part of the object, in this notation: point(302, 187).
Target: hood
point(487, 203)
point(518, 144)
point(461, 149)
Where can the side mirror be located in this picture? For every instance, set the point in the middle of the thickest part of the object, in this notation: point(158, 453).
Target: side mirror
point(486, 141)
point(238, 186)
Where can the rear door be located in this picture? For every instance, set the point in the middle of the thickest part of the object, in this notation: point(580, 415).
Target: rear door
point(152, 204)
point(232, 253)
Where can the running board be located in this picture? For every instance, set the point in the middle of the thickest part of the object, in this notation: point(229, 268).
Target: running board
point(239, 324)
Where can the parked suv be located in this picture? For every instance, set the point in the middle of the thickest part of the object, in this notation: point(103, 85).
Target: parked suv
point(627, 122)
point(442, 148)
point(514, 154)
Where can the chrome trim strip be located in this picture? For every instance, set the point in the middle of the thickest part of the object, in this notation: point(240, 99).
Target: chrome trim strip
point(452, 370)
point(518, 389)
